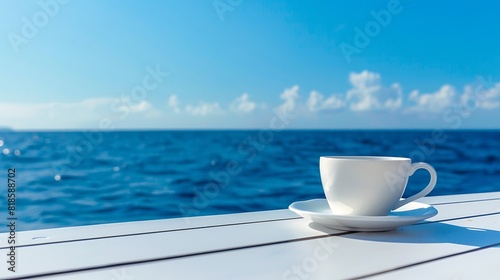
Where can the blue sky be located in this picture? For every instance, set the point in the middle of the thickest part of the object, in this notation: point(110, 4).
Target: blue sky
point(233, 63)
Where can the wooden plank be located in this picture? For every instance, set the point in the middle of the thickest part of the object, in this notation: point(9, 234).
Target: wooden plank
point(130, 228)
point(338, 257)
point(482, 264)
point(99, 252)
point(460, 198)
point(465, 209)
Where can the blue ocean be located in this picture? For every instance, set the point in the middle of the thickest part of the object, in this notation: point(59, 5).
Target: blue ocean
point(93, 177)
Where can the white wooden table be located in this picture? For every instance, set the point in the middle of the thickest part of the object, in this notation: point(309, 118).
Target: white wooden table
point(461, 242)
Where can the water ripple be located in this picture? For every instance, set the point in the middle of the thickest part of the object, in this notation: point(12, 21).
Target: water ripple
point(128, 176)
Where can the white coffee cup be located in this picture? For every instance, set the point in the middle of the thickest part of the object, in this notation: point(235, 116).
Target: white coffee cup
point(369, 186)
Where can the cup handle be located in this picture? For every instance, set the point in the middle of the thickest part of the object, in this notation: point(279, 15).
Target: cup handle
point(426, 190)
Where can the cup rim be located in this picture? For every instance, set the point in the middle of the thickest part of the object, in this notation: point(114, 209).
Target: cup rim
point(365, 158)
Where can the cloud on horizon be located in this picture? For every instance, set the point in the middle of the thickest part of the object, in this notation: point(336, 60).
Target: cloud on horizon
point(317, 102)
point(366, 94)
point(204, 108)
point(433, 102)
point(173, 103)
point(242, 104)
point(289, 97)
point(484, 98)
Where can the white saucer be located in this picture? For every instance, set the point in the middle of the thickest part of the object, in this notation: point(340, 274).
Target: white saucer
point(318, 211)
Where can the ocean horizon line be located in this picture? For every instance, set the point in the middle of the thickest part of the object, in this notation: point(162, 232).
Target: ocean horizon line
point(240, 129)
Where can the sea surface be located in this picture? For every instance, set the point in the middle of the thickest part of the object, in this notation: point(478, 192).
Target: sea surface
point(93, 177)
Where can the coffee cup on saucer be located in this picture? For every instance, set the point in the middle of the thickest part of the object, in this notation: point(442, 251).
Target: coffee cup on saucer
point(367, 185)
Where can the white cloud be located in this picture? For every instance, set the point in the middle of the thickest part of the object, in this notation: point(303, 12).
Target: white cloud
point(173, 103)
point(203, 109)
point(433, 102)
point(15, 111)
point(315, 98)
point(28, 109)
point(242, 104)
point(364, 79)
point(140, 107)
point(368, 93)
point(480, 97)
point(87, 112)
point(397, 102)
point(317, 102)
point(490, 105)
point(289, 96)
